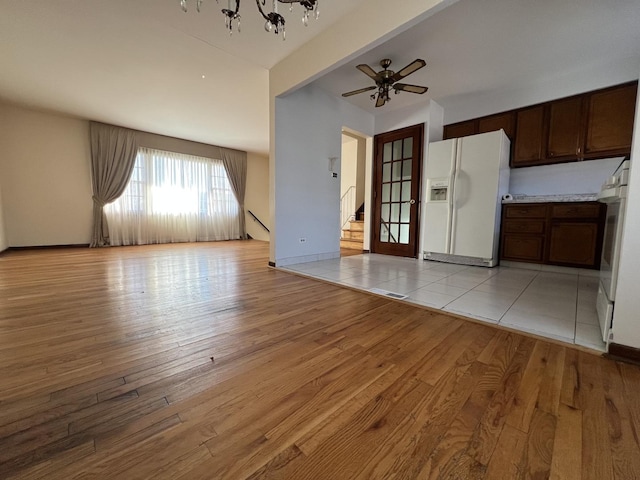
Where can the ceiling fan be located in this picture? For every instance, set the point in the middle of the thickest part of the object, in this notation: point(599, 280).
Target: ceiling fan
point(386, 81)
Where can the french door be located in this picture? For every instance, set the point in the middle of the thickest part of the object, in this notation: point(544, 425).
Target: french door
point(396, 191)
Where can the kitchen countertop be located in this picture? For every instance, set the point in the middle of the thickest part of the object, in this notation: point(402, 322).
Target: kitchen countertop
point(571, 197)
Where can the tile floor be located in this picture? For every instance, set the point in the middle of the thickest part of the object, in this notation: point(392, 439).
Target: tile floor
point(556, 304)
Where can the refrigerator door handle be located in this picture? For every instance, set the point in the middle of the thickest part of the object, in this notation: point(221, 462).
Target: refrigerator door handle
point(452, 177)
point(453, 198)
point(449, 211)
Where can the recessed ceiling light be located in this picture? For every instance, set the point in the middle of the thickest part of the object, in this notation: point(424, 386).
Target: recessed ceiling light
point(203, 76)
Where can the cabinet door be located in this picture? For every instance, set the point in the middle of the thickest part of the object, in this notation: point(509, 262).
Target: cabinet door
point(610, 121)
point(505, 121)
point(462, 129)
point(565, 128)
point(523, 248)
point(529, 137)
point(573, 244)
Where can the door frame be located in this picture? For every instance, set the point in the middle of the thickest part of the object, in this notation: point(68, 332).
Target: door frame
point(417, 131)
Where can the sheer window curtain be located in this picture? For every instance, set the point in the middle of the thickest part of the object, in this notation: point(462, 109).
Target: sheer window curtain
point(174, 197)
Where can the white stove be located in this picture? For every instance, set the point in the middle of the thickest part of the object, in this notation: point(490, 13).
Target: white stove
point(614, 194)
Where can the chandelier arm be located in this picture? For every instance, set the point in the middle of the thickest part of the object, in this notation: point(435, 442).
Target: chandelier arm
point(264, 15)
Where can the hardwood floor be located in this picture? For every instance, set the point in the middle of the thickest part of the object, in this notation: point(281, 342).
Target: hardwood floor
point(197, 361)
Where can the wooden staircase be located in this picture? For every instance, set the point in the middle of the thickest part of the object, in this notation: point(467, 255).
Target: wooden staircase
point(353, 237)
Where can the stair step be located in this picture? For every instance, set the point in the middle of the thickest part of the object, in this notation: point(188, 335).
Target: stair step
point(353, 235)
point(351, 244)
point(356, 225)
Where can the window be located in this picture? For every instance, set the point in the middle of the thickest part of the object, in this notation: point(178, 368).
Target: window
point(173, 197)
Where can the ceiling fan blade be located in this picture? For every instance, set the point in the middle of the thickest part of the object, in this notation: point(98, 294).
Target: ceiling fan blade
point(409, 69)
point(382, 99)
point(368, 71)
point(361, 90)
point(410, 88)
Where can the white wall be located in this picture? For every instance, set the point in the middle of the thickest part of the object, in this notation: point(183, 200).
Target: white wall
point(306, 198)
point(626, 319)
point(361, 169)
point(348, 164)
point(257, 195)
point(3, 238)
point(46, 182)
point(576, 177)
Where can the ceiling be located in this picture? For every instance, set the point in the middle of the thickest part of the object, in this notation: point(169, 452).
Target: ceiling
point(146, 65)
point(478, 46)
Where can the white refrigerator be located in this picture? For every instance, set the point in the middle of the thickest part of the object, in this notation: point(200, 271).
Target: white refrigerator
point(466, 179)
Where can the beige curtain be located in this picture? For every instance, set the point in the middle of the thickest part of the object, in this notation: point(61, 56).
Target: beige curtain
point(235, 163)
point(113, 155)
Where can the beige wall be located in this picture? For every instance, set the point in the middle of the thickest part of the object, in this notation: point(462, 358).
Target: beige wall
point(45, 178)
point(3, 238)
point(257, 195)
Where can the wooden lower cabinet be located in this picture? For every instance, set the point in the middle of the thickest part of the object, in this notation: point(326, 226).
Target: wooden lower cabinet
point(573, 244)
point(566, 234)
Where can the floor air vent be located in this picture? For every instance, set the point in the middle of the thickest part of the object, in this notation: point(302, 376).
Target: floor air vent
point(387, 293)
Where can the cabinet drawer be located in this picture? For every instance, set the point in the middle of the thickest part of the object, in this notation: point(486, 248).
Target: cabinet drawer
point(523, 248)
point(525, 211)
point(581, 210)
point(524, 226)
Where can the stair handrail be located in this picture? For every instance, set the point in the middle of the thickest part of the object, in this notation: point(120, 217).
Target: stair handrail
point(258, 220)
point(347, 207)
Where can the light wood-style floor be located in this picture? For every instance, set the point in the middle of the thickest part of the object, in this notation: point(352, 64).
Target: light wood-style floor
point(106, 371)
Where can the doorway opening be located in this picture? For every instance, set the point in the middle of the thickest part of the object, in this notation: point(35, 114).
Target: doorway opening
point(353, 204)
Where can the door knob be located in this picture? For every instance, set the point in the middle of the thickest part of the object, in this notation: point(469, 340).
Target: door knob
point(410, 202)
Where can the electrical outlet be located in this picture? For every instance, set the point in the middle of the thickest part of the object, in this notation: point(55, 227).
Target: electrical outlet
point(302, 240)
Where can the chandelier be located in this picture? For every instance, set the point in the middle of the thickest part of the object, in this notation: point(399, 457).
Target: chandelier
point(274, 22)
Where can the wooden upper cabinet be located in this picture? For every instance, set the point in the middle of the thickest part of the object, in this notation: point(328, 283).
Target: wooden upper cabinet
point(564, 141)
point(529, 137)
point(505, 121)
point(461, 129)
point(592, 125)
point(610, 120)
